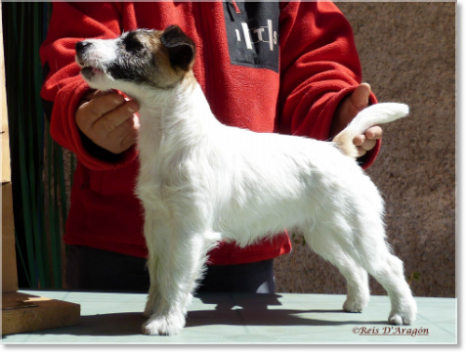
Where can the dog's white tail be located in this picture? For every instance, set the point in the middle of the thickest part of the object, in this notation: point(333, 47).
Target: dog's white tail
point(373, 115)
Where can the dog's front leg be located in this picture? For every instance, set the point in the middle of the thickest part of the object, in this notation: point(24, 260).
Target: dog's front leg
point(175, 263)
point(157, 234)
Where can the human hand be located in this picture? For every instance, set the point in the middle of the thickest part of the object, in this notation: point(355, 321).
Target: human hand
point(347, 110)
point(108, 120)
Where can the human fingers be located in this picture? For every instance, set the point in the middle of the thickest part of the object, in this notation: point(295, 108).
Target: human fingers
point(360, 96)
point(129, 140)
point(368, 144)
point(361, 152)
point(113, 119)
point(120, 139)
point(374, 132)
point(123, 130)
point(371, 136)
point(359, 140)
point(91, 111)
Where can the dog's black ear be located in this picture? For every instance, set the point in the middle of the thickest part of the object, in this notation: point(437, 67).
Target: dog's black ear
point(180, 47)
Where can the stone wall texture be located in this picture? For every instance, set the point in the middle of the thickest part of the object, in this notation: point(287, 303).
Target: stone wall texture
point(407, 52)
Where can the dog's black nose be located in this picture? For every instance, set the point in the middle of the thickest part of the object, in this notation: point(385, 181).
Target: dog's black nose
point(79, 46)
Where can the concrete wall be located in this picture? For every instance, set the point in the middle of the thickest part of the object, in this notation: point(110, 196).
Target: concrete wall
point(407, 52)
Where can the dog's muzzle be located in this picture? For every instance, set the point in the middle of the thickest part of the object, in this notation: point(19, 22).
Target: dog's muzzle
point(88, 71)
point(80, 48)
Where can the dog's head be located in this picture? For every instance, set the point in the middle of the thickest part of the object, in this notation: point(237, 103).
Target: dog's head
point(141, 58)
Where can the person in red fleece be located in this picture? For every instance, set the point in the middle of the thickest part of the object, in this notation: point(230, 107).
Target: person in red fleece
point(288, 68)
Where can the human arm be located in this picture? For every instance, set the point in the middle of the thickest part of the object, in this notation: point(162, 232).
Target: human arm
point(64, 89)
point(320, 71)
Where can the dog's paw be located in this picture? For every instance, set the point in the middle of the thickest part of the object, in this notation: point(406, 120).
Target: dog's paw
point(355, 305)
point(405, 315)
point(164, 325)
point(401, 319)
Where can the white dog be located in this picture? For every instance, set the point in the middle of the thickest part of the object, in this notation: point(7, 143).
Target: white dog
point(202, 182)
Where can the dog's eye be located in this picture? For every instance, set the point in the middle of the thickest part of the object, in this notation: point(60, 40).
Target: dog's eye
point(133, 45)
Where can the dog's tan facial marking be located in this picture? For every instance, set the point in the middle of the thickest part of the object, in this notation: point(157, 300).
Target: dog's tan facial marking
point(180, 48)
point(174, 53)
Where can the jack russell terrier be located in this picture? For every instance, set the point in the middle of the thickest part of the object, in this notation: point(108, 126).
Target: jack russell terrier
point(201, 182)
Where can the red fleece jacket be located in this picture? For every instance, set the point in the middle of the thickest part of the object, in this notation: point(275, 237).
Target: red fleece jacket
point(266, 67)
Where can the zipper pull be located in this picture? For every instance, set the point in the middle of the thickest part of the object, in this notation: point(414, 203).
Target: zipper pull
point(236, 8)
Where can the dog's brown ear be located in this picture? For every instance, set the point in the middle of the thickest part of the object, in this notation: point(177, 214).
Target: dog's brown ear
point(180, 47)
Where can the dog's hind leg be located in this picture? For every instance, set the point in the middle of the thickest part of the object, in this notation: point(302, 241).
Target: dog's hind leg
point(365, 243)
point(355, 275)
point(388, 270)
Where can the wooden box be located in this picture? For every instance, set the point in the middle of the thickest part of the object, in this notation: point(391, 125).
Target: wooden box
point(21, 312)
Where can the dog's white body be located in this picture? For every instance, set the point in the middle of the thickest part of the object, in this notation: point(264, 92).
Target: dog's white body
point(202, 182)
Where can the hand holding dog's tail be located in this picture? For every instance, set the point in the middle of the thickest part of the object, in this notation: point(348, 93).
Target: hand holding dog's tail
point(373, 115)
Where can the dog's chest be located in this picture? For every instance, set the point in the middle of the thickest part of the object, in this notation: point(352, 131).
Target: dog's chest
point(162, 181)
